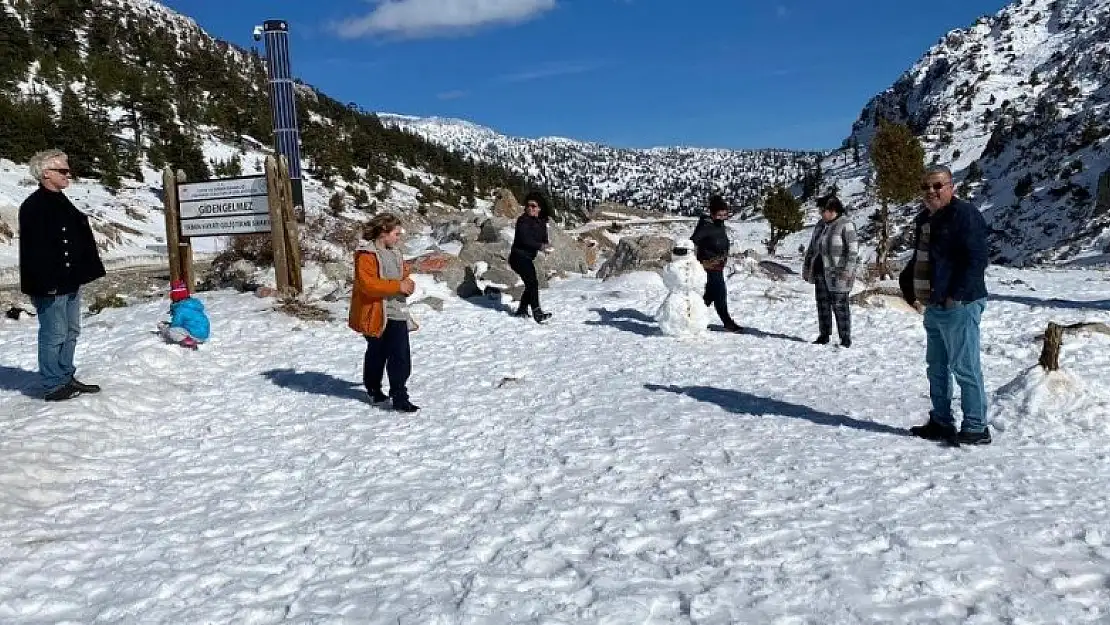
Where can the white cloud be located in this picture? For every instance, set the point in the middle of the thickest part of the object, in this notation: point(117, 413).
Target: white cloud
point(550, 70)
point(416, 18)
point(454, 94)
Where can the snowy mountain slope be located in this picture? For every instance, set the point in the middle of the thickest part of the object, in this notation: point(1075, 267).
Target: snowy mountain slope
point(674, 179)
point(129, 223)
point(590, 471)
point(1017, 104)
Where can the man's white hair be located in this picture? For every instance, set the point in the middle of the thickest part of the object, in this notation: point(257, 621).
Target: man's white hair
point(41, 162)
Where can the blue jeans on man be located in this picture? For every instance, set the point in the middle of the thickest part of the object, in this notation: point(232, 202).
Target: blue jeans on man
point(952, 351)
point(59, 325)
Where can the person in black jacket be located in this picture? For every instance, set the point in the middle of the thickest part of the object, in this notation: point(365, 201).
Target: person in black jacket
point(57, 256)
point(946, 275)
point(711, 239)
point(530, 238)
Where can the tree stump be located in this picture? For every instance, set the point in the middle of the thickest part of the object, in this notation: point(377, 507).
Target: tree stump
point(1054, 337)
point(1050, 353)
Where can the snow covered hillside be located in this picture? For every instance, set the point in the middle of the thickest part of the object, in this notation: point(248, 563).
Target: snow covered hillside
point(589, 471)
point(675, 179)
point(1017, 104)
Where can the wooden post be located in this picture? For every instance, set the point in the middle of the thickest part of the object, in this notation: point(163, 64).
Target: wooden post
point(185, 253)
point(292, 232)
point(1050, 353)
point(173, 232)
point(277, 226)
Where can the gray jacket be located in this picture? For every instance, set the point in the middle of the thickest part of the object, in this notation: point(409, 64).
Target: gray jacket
point(835, 244)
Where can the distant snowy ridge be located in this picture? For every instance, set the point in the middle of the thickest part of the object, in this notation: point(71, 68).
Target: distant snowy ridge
point(674, 179)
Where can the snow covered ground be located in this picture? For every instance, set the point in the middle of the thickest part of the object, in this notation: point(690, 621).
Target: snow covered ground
point(589, 471)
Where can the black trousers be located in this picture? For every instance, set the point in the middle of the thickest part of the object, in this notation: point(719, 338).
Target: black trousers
point(830, 304)
point(388, 353)
point(716, 293)
point(526, 268)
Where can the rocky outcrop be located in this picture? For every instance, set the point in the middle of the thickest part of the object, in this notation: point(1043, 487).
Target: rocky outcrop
point(482, 261)
point(505, 205)
point(640, 253)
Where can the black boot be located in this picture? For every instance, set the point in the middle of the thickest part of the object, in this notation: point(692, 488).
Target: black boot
point(378, 397)
point(974, 438)
point(845, 342)
point(62, 393)
point(933, 431)
point(822, 340)
point(404, 405)
point(521, 311)
point(539, 315)
point(84, 388)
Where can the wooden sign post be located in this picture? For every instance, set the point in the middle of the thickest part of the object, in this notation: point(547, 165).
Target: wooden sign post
point(178, 248)
point(277, 226)
point(289, 223)
point(233, 206)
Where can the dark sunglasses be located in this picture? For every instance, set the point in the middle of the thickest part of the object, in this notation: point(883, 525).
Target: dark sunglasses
point(533, 205)
point(63, 171)
point(936, 186)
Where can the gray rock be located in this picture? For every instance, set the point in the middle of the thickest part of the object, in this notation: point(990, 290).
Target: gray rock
point(434, 303)
point(501, 275)
point(1102, 198)
point(568, 254)
point(489, 232)
point(641, 253)
point(506, 205)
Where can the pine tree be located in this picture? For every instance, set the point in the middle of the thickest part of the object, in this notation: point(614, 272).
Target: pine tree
point(110, 171)
point(898, 159)
point(184, 153)
point(54, 28)
point(783, 213)
point(27, 124)
point(15, 49)
point(78, 136)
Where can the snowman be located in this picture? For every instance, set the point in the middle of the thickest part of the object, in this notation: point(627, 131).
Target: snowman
point(683, 312)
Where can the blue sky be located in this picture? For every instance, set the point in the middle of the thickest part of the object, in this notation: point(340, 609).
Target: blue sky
point(636, 73)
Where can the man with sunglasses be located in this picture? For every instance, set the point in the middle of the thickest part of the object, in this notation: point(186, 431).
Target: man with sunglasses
point(57, 256)
point(946, 276)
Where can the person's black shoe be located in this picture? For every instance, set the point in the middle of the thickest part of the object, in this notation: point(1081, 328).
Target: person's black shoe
point(734, 328)
point(933, 431)
point(974, 438)
point(521, 312)
point(405, 405)
point(540, 316)
point(822, 340)
point(378, 397)
point(84, 388)
point(845, 342)
point(62, 393)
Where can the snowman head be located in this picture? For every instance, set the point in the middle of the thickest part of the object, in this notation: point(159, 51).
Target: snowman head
point(682, 247)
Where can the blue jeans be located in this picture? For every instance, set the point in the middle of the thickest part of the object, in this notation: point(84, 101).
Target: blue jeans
point(952, 350)
point(59, 325)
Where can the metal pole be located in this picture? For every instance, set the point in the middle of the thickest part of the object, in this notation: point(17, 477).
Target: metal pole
point(283, 105)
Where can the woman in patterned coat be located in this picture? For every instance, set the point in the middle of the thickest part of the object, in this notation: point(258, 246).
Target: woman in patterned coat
point(830, 265)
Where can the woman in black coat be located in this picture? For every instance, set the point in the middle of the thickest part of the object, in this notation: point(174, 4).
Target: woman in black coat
point(530, 238)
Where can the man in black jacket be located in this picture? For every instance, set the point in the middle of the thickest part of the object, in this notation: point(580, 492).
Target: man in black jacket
point(946, 276)
point(57, 256)
point(711, 239)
